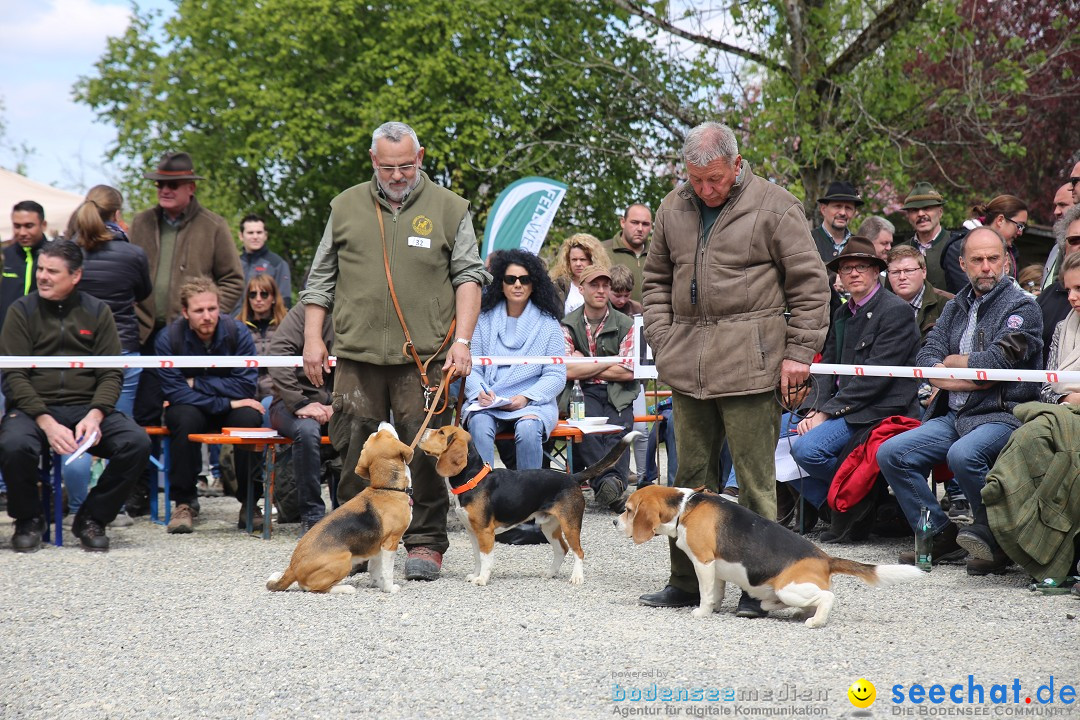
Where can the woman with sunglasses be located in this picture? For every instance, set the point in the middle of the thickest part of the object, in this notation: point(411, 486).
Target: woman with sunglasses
point(519, 315)
point(262, 312)
point(578, 252)
point(1006, 214)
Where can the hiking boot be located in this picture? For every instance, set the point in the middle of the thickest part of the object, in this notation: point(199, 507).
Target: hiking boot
point(959, 508)
point(608, 491)
point(308, 523)
point(27, 537)
point(749, 607)
point(91, 534)
point(182, 521)
point(979, 541)
point(122, 519)
point(423, 563)
point(138, 502)
point(256, 519)
point(670, 597)
point(945, 548)
point(997, 565)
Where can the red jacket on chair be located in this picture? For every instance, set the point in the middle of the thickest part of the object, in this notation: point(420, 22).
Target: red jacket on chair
point(856, 475)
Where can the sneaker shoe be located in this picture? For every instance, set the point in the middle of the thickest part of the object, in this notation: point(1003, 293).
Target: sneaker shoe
point(946, 549)
point(979, 541)
point(256, 519)
point(182, 521)
point(959, 508)
point(670, 597)
point(27, 537)
point(122, 519)
point(91, 535)
point(423, 563)
point(214, 488)
point(750, 607)
point(608, 491)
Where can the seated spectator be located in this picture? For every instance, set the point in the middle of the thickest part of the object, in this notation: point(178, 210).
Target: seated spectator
point(1028, 279)
point(1027, 514)
point(1007, 215)
point(302, 412)
point(907, 277)
point(262, 311)
point(519, 315)
point(597, 330)
point(1054, 300)
point(61, 409)
point(206, 399)
point(991, 324)
point(874, 327)
point(578, 252)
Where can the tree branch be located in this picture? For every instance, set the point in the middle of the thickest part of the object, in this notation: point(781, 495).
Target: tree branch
point(898, 14)
point(635, 8)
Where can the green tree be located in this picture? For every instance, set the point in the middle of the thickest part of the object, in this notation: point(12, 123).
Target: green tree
point(276, 102)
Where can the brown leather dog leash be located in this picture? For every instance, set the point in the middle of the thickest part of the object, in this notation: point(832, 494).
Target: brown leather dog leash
point(409, 349)
point(447, 379)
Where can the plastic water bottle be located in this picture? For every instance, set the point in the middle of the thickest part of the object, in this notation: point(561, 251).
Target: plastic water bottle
point(577, 402)
point(924, 540)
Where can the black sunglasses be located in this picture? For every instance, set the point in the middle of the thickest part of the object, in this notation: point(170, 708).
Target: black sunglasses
point(511, 279)
point(259, 294)
point(1073, 240)
point(171, 184)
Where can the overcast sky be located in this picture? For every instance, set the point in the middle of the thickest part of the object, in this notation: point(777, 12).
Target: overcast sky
point(46, 46)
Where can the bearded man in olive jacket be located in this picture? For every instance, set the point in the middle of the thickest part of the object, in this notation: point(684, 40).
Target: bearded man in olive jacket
point(731, 252)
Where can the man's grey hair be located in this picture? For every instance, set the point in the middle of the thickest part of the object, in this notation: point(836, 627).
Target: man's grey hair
point(1061, 227)
point(981, 229)
point(395, 132)
point(709, 141)
point(873, 225)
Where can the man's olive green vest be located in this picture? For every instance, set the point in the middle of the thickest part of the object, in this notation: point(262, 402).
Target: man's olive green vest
point(419, 243)
point(620, 394)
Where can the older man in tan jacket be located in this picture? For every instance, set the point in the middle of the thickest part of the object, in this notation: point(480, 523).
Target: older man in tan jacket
point(731, 253)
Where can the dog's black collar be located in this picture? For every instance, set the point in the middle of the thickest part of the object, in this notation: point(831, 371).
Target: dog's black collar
point(407, 490)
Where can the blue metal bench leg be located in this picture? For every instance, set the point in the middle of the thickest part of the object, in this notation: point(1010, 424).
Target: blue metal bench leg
point(166, 459)
point(268, 489)
point(251, 506)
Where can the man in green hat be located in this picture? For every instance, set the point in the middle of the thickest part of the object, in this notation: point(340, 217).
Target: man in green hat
point(924, 206)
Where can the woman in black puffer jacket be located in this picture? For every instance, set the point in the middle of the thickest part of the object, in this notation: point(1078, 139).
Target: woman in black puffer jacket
point(114, 271)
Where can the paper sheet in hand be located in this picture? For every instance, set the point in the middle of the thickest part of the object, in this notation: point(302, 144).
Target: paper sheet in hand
point(86, 445)
point(495, 404)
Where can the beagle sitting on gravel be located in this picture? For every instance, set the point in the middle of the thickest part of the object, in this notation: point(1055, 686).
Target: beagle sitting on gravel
point(369, 526)
point(489, 501)
point(728, 543)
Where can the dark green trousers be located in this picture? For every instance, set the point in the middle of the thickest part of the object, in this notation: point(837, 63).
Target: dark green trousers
point(751, 426)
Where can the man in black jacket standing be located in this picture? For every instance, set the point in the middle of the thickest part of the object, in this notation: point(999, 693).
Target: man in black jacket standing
point(61, 409)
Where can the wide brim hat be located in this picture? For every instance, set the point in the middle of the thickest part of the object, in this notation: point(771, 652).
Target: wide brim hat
point(592, 272)
point(923, 195)
point(841, 190)
point(174, 166)
point(857, 248)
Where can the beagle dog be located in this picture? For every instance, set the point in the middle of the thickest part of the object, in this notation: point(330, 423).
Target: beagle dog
point(369, 526)
point(729, 543)
point(490, 501)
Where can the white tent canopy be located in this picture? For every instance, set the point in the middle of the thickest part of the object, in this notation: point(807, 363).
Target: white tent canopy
point(58, 204)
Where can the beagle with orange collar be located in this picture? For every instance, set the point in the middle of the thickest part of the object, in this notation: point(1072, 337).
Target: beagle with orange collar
point(728, 543)
point(490, 501)
point(369, 526)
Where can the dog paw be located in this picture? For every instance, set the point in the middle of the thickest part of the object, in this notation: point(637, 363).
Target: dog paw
point(479, 581)
point(392, 589)
point(814, 622)
point(274, 577)
point(700, 612)
point(577, 579)
point(342, 590)
point(470, 577)
point(547, 574)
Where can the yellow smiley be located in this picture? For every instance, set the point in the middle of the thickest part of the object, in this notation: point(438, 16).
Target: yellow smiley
point(862, 693)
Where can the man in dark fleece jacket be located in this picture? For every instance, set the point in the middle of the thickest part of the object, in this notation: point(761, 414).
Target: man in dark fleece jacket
point(204, 399)
point(61, 409)
point(991, 324)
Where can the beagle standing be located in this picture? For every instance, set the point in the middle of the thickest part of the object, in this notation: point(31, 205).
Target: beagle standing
point(728, 543)
point(369, 525)
point(489, 501)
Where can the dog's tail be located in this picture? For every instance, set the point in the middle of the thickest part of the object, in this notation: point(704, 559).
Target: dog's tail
point(880, 575)
point(281, 581)
point(599, 468)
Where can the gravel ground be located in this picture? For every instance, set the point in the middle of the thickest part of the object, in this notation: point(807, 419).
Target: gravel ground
point(182, 626)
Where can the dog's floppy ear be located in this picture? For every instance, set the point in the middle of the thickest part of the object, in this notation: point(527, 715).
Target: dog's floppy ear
point(646, 520)
point(456, 455)
point(406, 453)
point(363, 464)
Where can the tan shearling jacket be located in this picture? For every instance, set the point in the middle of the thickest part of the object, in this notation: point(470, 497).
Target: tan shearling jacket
point(757, 262)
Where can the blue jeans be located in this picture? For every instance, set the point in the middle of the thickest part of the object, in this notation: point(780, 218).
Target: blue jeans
point(528, 438)
point(126, 403)
point(907, 459)
point(818, 454)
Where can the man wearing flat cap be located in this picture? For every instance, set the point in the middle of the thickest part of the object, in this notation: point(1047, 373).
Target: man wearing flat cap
point(838, 207)
point(874, 327)
point(924, 207)
point(183, 241)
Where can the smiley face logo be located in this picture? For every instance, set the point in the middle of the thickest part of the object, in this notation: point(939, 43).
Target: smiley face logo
point(862, 693)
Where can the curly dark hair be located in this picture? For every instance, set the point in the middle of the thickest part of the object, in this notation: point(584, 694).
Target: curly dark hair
point(544, 296)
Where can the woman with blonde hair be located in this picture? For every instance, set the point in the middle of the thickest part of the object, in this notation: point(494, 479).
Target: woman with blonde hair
point(262, 311)
point(578, 252)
